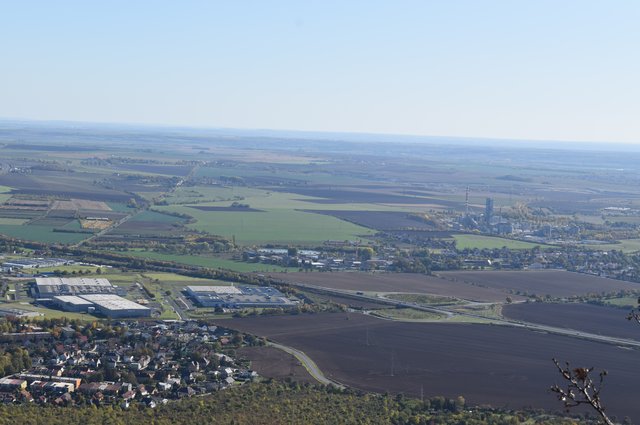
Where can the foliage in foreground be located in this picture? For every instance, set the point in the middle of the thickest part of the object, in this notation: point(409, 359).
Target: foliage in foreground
point(276, 403)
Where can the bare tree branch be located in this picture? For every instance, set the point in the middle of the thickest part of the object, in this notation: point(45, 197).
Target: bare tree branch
point(634, 315)
point(580, 388)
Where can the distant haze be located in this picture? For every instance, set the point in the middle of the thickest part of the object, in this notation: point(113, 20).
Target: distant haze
point(495, 69)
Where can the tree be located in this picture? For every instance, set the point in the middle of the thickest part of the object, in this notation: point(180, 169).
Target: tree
point(366, 253)
point(580, 389)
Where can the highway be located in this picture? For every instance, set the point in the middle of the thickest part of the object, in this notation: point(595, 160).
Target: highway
point(505, 322)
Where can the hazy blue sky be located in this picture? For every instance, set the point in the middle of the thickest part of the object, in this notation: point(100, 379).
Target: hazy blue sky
point(537, 69)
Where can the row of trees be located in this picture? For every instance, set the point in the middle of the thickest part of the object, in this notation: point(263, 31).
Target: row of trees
point(277, 403)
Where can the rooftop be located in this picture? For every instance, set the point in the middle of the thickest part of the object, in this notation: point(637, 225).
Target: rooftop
point(113, 302)
point(72, 299)
point(74, 281)
point(219, 290)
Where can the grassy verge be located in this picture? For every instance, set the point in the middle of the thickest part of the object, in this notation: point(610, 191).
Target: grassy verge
point(409, 314)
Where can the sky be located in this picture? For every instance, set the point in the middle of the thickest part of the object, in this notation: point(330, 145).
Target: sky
point(529, 69)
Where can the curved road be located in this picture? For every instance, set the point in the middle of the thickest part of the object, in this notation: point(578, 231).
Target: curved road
point(308, 364)
point(506, 322)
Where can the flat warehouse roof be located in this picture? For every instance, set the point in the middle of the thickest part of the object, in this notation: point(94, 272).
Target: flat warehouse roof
point(215, 289)
point(113, 302)
point(72, 299)
point(73, 281)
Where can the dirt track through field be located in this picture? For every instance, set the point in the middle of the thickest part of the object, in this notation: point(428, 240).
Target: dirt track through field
point(496, 365)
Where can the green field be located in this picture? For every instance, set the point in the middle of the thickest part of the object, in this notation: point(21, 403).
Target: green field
point(630, 302)
point(279, 220)
point(4, 194)
point(119, 207)
point(156, 217)
point(172, 277)
point(490, 242)
point(40, 234)
point(210, 262)
point(265, 199)
point(12, 221)
point(625, 245)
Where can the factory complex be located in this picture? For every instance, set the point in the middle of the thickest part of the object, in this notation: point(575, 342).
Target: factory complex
point(48, 287)
point(87, 295)
point(238, 296)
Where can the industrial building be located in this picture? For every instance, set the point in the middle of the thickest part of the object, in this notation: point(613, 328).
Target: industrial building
point(238, 296)
point(49, 287)
point(73, 303)
point(32, 263)
point(114, 306)
point(87, 295)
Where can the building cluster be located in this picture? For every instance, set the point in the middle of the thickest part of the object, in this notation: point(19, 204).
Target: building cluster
point(88, 295)
point(147, 363)
point(316, 260)
point(33, 263)
point(487, 222)
point(241, 296)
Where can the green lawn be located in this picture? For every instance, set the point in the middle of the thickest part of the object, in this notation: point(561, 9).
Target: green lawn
point(490, 242)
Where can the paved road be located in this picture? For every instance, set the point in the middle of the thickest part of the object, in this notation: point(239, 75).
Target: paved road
point(441, 310)
point(309, 364)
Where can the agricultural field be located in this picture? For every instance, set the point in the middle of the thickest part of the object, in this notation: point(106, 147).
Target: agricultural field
point(210, 262)
point(378, 220)
point(581, 317)
point(41, 233)
point(271, 362)
point(62, 184)
point(624, 245)
point(627, 302)
point(555, 283)
point(491, 242)
point(495, 365)
point(399, 282)
point(278, 226)
point(331, 195)
point(4, 194)
point(150, 223)
point(80, 204)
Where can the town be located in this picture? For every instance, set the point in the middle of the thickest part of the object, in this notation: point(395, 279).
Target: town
point(65, 363)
